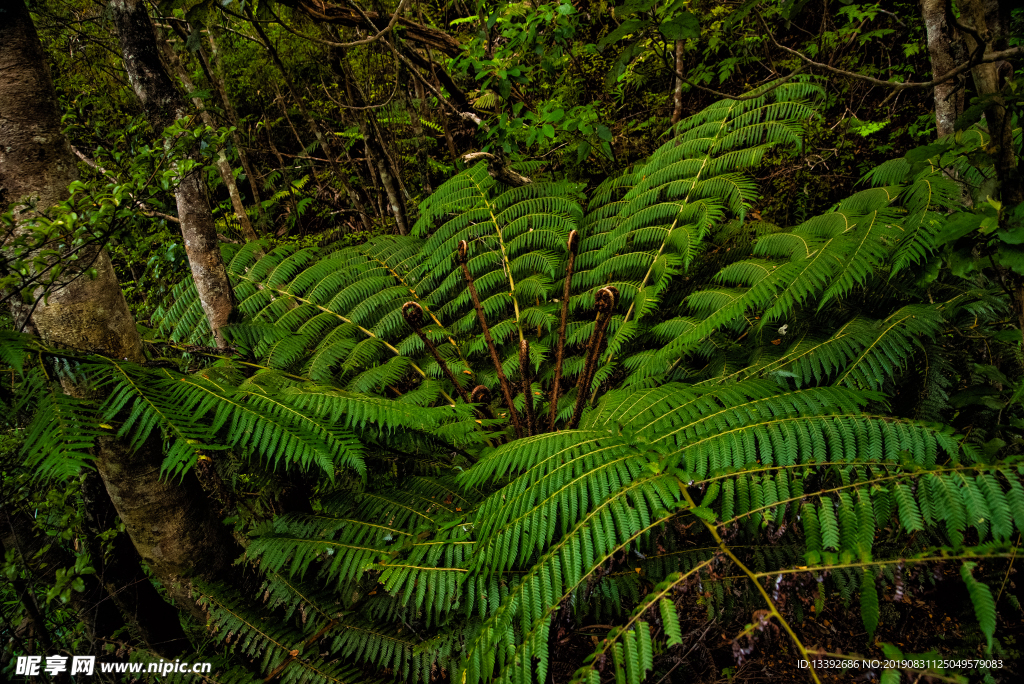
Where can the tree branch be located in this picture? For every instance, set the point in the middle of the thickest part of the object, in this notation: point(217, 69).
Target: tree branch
point(320, 10)
point(141, 206)
point(983, 58)
point(364, 41)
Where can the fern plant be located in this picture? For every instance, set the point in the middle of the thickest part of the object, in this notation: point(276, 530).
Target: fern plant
point(537, 412)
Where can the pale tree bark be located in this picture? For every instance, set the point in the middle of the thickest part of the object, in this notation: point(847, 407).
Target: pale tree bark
point(946, 50)
point(164, 104)
point(988, 82)
point(170, 524)
point(983, 24)
point(677, 94)
point(375, 151)
point(155, 620)
point(227, 174)
point(36, 162)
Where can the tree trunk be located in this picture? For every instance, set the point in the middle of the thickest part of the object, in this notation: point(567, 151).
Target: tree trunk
point(164, 104)
point(946, 50)
point(170, 524)
point(988, 83)
point(36, 161)
point(376, 151)
point(155, 620)
point(227, 174)
point(677, 94)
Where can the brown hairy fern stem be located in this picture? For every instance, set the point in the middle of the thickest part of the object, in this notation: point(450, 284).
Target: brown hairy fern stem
point(604, 303)
point(573, 246)
point(413, 315)
point(524, 367)
point(462, 257)
point(481, 395)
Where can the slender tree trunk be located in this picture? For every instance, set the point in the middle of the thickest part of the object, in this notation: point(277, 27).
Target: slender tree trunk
point(373, 144)
point(422, 158)
point(988, 83)
point(988, 23)
point(946, 50)
point(227, 174)
point(164, 104)
point(677, 95)
point(217, 76)
point(375, 150)
point(170, 524)
point(283, 166)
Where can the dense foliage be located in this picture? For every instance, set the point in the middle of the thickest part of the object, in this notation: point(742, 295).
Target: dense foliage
point(632, 399)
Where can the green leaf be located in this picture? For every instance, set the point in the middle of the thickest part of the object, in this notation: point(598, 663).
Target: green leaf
point(926, 152)
point(866, 128)
point(682, 27)
point(670, 622)
point(984, 604)
point(627, 27)
point(869, 610)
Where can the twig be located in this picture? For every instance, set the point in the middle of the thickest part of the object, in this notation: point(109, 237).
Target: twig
point(109, 176)
point(1008, 568)
point(740, 98)
point(983, 58)
point(364, 41)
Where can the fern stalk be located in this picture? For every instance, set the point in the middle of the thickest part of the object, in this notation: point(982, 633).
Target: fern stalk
point(605, 305)
point(482, 395)
point(772, 608)
point(573, 247)
point(413, 314)
point(293, 654)
point(506, 389)
point(524, 366)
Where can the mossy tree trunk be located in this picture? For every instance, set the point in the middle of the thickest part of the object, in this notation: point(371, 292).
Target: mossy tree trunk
point(170, 523)
point(164, 104)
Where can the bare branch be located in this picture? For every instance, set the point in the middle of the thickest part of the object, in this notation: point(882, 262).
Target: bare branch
point(355, 16)
point(740, 98)
point(364, 41)
point(982, 58)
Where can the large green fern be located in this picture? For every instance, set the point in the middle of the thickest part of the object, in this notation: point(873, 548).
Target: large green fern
point(530, 416)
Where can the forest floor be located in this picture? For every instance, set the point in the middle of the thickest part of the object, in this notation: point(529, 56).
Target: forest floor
point(929, 622)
